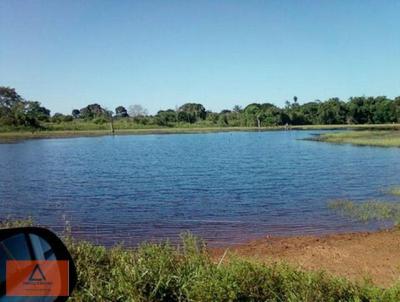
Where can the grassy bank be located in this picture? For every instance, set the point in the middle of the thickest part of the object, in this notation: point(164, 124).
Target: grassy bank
point(162, 272)
point(382, 138)
point(90, 129)
point(21, 135)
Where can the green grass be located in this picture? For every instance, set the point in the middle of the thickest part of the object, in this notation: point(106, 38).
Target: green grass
point(394, 191)
point(164, 272)
point(369, 210)
point(81, 128)
point(363, 138)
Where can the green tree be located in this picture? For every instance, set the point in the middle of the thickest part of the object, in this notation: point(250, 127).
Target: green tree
point(75, 113)
point(251, 114)
point(93, 111)
point(10, 106)
point(15, 111)
point(310, 112)
point(59, 118)
point(193, 112)
point(212, 117)
point(384, 110)
point(333, 111)
point(358, 112)
point(121, 111)
point(35, 110)
point(166, 117)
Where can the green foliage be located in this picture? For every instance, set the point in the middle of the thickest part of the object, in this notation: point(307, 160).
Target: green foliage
point(166, 117)
point(394, 191)
point(100, 120)
point(11, 223)
point(164, 272)
point(121, 111)
point(332, 112)
point(15, 113)
point(370, 210)
point(75, 113)
point(191, 113)
point(93, 111)
point(61, 118)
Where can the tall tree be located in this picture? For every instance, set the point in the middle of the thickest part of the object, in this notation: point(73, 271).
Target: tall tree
point(166, 117)
point(15, 111)
point(93, 111)
point(121, 111)
point(75, 113)
point(192, 112)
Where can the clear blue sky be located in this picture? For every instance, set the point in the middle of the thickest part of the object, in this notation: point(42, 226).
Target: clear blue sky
point(160, 54)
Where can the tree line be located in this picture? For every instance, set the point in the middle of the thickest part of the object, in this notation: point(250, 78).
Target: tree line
point(17, 112)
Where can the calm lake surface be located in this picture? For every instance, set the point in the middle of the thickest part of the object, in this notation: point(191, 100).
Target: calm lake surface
point(226, 187)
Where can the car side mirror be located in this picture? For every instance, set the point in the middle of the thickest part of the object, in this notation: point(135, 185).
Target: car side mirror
point(35, 266)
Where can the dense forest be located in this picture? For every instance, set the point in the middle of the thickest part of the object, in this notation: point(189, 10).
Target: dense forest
point(19, 113)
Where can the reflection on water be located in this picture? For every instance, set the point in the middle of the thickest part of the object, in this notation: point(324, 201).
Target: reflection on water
point(226, 187)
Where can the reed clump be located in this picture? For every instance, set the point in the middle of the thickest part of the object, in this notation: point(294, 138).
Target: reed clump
point(369, 210)
point(395, 190)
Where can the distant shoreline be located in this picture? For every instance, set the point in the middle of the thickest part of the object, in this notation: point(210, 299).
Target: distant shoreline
point(13, 136)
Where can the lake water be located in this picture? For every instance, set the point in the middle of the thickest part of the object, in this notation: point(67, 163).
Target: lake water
point(226, 187)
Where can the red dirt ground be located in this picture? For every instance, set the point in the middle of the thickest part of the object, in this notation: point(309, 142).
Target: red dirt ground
point(356, 256)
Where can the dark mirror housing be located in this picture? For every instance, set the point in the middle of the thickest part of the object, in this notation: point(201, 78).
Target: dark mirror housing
point(35, 265)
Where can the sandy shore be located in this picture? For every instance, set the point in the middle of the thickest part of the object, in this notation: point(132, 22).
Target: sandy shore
point(356, 256)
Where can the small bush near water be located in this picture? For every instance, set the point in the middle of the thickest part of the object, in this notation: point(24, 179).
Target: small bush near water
point(163, 272)
point(394, 190)
point(371, 210)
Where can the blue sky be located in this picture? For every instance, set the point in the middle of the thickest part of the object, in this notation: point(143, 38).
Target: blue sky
point(67, 54)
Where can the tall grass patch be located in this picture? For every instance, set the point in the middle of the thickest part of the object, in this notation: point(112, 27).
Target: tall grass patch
point(378, 138)
point(395, 190)
point(166, 272)
point(369, 210)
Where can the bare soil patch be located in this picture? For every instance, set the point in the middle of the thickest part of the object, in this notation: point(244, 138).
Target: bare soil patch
point(356, 256)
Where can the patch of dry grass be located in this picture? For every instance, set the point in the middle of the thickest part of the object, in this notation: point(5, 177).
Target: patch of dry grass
point(381, 138)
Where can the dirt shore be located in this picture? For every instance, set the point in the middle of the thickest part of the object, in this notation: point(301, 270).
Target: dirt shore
point(356, 256)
